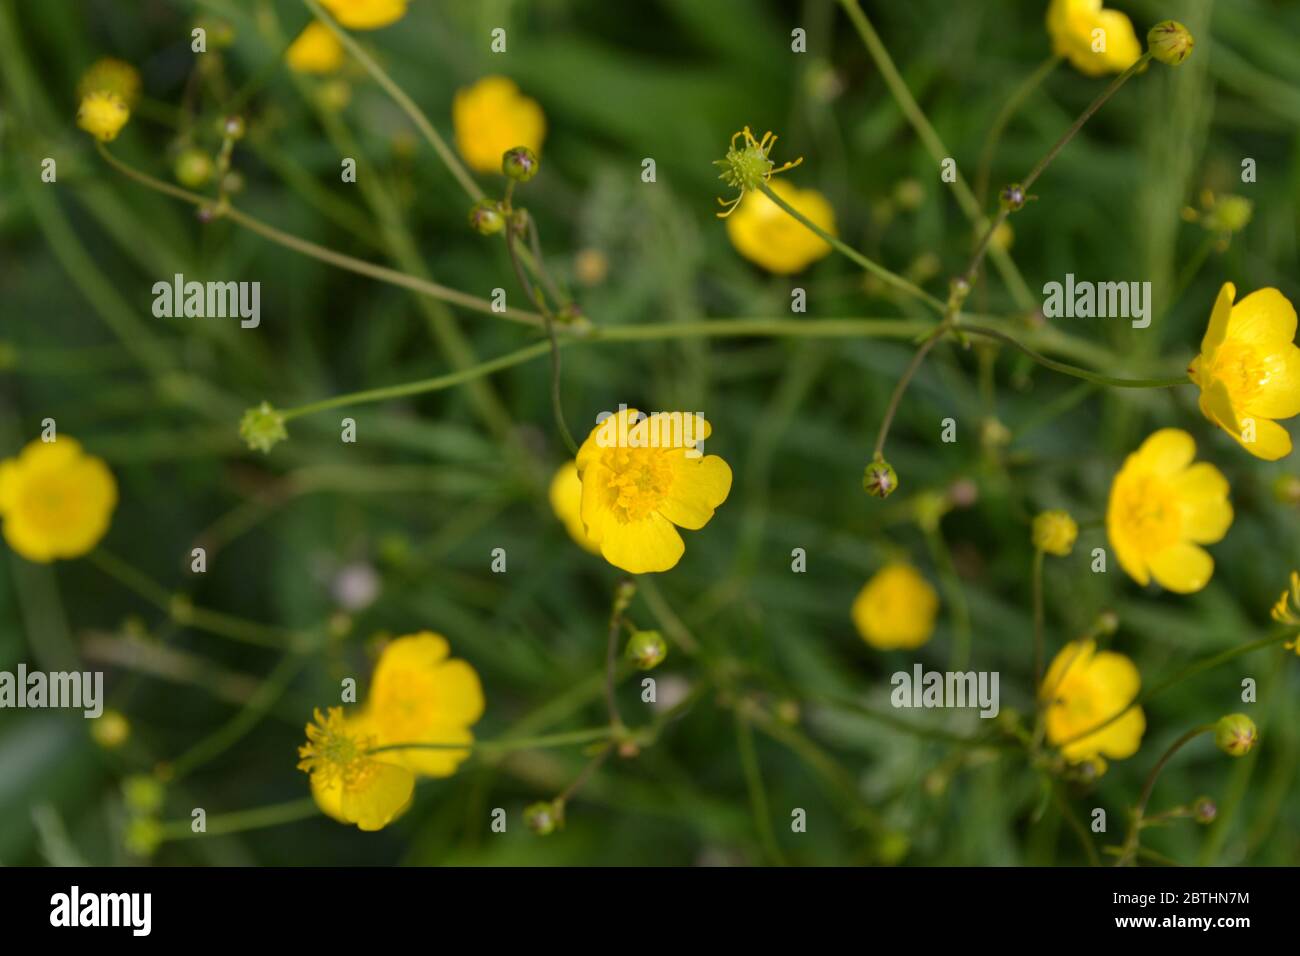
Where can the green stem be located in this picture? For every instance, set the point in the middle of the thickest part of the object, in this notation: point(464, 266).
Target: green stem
point(405, 102)
point(892, 408)
point(1009, 108)
point(322, 253)
point(1094, 377)
point(956, 597)
point(241, 821)
point(1038, 621)
point(492, 747)
point(757, 793)
point(1135, 826)
point(874, 268)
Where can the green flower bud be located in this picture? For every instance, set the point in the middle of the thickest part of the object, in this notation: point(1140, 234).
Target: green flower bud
point(194, 168)
point(234, 127)
point(1228, 214)
point(1054, 532)
point(143, 794)
point(1170, 42)
point(1235, 735)
point(879, 479)
point(1286, 490)
point(1204, 810)
point(520, 164)
point(647, 649)
point(486, 217)
point(262, 428)
point(544, 818)
point(1012, 198)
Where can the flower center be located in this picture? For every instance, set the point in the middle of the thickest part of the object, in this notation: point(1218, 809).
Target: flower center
point(1151, 513)
point(334, 753)
point(1241, 370)
point(639, 480)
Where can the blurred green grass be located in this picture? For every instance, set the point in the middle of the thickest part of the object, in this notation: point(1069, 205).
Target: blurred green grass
point(430, 489)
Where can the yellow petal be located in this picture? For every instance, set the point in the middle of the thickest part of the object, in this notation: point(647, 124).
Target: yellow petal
point(381, 798)
point(1217, 330)
point(1272, 441)
point(1075, 654)
point(1126, 550)
point(1207, 515)
point(435, 762)
point(1182, 568)
point(642, 547)
point(1264, 317)
point(1278, 395)
point(1166, 452)
point(565, 495)
point(699, 486)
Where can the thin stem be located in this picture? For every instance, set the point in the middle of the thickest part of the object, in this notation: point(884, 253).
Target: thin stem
point(405, 102)
point(548, 320)
point(930, 341)
point(1135, 827)
point(1079, 829)
point(1095, 105)
point(611, 659)
point(1009, 108)
point(592, 766)
point(956, 597)
point(492, 747)
point(322, 253)
point(1094, 377)
point(437, 383)
point(874, 268)
point(241, 821)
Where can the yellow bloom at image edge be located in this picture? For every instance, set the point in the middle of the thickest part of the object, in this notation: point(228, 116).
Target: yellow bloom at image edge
point(1082, 689)
point(55, 500)
point(565, 495)
point(1096, 41)
point(365, 14)
point(895, 609)
point(640, 484)
point(768, 236)
point(1163, 508)
point(1249, 370)
point(492, 116)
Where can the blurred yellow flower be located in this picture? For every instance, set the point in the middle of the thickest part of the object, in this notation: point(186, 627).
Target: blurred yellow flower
point(56, 502)
point(110, 729)
point(491, 117)
point(316, 50)
point(111, 75)
point(102, 115)
point(1084, 688)
point(767, 235)
point(1249, 370)
point(1162, 508)
point(895, 609)
point(1055, 532)
point(365, 14)
point(350, 784)
point(1094, 40)
point(566, 502)
point(642, 480)
point(419, 695)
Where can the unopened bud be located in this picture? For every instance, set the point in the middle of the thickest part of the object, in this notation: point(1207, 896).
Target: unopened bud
point(1170, 42)
point(879, 479)
point(1235, 735)
point(520, 164)
point(647, 649)
point(486, 218)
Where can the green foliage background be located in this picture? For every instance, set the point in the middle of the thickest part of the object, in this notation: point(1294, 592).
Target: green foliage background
point(435, 483)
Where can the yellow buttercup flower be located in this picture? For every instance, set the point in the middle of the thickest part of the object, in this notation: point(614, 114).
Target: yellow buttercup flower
point(1083, 689)
point(1096, 41)
point(349, 783)
point(895, 609)
point(491, 117)
point(365, 14)
point(766, 234)
point(1055, 532)
point(1163, 508)
point(1249, 370)
point(111, 75)
point(566, 502)
point(641, 480)
point(419, 695)
point(316, 50)
point(56, 502)
point(102, 115)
